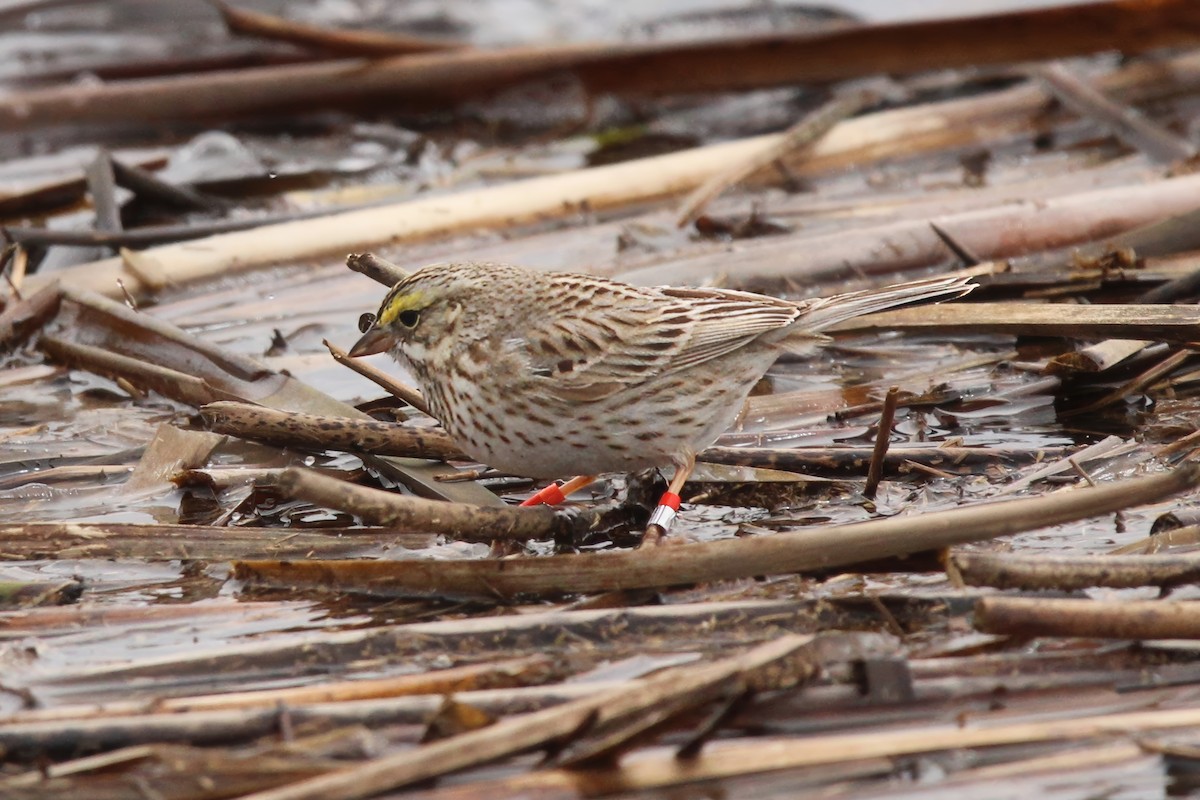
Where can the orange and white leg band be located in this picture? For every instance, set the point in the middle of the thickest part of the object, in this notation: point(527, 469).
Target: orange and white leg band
point(664, 514)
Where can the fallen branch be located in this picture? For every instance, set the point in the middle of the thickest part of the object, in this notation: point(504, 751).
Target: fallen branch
point(816, 549)
point(321, 432)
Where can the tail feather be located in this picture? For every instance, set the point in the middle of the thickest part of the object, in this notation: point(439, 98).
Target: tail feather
point(825, 312)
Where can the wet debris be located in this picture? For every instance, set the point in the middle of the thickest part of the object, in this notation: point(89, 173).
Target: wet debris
point(955, 546)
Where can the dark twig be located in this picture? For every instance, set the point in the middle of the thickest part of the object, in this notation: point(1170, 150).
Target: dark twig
point(145, 184)
point(959, 249)
point(729, 708)
point(883, 438)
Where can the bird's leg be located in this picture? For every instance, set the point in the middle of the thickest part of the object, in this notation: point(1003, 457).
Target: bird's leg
point(668, 504)
point(554, 494)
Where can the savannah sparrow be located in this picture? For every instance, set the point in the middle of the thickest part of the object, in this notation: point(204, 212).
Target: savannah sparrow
point(548, 374)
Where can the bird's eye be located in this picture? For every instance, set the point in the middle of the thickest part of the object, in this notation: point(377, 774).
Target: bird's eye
point(409, 318)
point(365, 322)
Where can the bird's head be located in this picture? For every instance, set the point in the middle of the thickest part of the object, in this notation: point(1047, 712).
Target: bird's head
point(422, 309)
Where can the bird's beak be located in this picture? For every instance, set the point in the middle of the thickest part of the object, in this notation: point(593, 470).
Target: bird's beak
point(375, 340)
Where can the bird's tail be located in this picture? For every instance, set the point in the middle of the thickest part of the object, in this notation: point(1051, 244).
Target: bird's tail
point(825, 312)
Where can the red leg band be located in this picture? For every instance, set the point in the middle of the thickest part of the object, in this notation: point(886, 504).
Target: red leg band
point(552, 495)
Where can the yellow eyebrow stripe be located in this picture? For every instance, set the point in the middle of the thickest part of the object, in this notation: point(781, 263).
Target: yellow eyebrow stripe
point(398, 304)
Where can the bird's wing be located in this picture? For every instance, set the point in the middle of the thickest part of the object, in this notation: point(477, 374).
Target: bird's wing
point(720, 321)
point(593, 351)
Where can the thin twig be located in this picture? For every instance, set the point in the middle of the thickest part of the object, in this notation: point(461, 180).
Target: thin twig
point(129, 299)
point(1080, 471)
point(373, 44)
point(964, 254)
point(387, 382)
point(377, 269)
